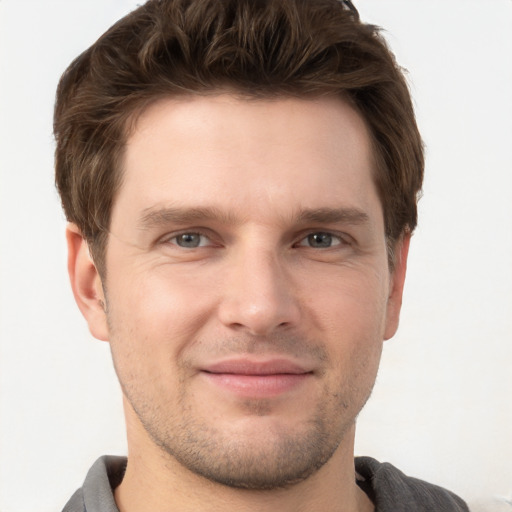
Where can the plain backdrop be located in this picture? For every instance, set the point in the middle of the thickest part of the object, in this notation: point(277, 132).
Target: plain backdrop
point(442, 406)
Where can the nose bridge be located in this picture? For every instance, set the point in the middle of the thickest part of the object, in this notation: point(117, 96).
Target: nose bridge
point(258, 293)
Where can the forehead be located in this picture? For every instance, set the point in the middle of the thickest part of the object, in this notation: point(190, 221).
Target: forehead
point(248, 156)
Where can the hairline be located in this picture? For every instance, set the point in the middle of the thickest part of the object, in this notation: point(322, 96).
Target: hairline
point(139, 108)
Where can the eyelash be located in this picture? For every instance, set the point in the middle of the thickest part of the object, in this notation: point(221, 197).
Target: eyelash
point(176, 236)
point(339, 239)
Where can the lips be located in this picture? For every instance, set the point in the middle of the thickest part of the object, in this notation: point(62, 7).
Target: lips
point(257, 379)
point(248, 367)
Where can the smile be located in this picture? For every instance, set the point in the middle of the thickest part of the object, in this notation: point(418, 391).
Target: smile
point(257, 379)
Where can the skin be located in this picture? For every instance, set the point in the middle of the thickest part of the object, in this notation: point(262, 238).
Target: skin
point(247, 231)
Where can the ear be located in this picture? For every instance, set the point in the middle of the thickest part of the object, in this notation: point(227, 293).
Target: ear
point(396, 286)
point(86, 283)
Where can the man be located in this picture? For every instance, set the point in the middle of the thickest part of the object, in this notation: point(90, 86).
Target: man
point(240, 179)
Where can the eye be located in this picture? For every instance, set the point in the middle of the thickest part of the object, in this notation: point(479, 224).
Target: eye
point(190, 240)
point(320, 240)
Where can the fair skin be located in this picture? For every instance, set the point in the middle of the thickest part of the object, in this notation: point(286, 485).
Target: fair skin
point(246, 298)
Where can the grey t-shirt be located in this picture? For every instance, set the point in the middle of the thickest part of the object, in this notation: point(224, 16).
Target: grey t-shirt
point(388, 488)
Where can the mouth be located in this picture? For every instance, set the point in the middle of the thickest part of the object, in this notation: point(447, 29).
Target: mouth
point(257, 379)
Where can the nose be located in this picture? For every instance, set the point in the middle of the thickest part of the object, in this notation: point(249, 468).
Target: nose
point(259, 296)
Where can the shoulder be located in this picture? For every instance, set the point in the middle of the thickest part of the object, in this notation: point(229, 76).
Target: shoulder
point(392, 490)
point(97, 492)
point(75, 503)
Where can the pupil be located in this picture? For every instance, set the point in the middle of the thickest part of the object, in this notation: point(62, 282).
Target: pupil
point(188, 240)
point(320, 240)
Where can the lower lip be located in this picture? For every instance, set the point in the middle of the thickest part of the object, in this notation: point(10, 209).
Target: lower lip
point(257, 386)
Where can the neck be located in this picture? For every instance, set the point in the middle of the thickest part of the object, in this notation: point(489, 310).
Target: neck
point(156, 481)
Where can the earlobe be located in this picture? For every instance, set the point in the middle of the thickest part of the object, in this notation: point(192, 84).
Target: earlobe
point(396, 286)
point(86, 283)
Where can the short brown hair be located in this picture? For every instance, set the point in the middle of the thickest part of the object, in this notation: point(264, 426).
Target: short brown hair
point(259, 48)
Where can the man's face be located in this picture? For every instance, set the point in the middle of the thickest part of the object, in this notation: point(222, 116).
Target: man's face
point(247, 289)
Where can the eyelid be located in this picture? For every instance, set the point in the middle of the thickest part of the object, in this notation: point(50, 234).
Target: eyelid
point(167, 238)
point(344, 238)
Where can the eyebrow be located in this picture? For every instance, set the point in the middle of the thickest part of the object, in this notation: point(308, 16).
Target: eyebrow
point(155, 217)
point(160, 216)
point(333, 215)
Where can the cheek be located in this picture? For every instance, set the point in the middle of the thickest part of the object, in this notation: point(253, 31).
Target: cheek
point(154, 316)
point(350, 318)
point(164, 295)
point(351, 305)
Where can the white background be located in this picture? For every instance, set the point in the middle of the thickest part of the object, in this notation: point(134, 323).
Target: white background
point(442, 407)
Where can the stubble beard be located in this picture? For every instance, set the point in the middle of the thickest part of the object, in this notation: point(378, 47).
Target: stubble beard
point(238, 460)
point(279, 459)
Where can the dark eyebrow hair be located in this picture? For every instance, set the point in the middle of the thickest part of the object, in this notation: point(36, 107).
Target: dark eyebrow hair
point(332, 215)
point(160, 216)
